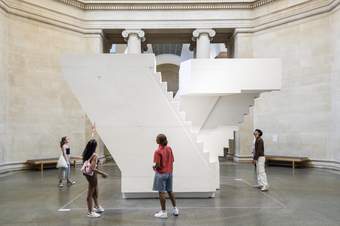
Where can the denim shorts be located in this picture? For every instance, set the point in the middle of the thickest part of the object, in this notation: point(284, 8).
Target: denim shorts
point(162, 182)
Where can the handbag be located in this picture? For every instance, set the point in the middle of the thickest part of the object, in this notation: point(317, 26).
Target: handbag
point(86, 168)
point(62, 162)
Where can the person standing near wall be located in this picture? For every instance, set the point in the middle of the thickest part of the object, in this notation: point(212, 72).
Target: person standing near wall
point(163, 159)
point(64, 172)
point(260, 159)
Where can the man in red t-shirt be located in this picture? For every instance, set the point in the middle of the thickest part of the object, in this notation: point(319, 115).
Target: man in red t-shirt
point(163, 159)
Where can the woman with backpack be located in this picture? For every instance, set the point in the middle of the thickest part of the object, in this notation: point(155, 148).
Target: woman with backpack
point(90, 171)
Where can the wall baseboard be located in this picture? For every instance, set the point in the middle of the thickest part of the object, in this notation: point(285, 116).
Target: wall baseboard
point(242, 158)
point(12, 166)
point(16, 166)
point(313, 163)
point(324, 164)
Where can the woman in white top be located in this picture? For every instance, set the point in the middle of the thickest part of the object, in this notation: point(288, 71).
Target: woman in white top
point(64, 172)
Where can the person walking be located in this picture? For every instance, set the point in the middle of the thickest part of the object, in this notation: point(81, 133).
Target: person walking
point(260, 159)
point(163, 167)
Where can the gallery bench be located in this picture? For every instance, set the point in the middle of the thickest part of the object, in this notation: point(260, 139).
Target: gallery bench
point(49, 162)
point(286, 160)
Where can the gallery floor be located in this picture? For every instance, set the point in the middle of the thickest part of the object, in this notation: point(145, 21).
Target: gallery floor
point(305, 197)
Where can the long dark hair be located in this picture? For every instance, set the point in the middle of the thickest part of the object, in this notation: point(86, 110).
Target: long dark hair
point(89, 149)
point(259, 131)
point(63, 141)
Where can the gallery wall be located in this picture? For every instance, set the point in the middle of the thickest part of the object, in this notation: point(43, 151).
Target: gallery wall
point(3, 86)
point(36, 107)
point(302, 119)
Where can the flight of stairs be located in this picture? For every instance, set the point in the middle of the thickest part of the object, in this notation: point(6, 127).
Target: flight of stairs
point(202, 148)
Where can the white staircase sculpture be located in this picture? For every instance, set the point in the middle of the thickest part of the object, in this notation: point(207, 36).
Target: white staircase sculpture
point(125, 97)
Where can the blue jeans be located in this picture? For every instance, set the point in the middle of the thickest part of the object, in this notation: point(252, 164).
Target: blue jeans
point(64, 173)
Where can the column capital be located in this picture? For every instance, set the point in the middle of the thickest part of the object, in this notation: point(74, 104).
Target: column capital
point(196, 33)
point(140, 34)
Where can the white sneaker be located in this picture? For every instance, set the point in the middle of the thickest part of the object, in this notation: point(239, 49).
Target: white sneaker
point(161, 214)
point(264, 188)
point(93, 214)
point(69, 182)
point(61, 185)
point(175, 211)
point(98, 209)
point(257, 186)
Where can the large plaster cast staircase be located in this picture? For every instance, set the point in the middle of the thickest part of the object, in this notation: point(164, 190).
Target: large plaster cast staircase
point(130, 105)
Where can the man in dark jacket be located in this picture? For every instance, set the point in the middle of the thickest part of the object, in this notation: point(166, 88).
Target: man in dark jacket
point(259, 159)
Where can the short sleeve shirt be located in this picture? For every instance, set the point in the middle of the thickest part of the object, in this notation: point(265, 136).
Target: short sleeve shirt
point(165, 159)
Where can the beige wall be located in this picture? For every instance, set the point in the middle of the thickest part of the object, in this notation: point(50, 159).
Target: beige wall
point(3, 86)
point(41, 107)
point(304, 115)
point(335, 86)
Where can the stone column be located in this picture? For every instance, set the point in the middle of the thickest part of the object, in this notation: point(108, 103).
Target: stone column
point(134, 39)
point(203, 38)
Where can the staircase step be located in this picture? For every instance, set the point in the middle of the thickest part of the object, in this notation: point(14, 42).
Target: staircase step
point(206, 151)
point(200, 144)
point(170, 95)
point(182, 114)
point(205, 154)
point(194, 137)
point(188, 124)
point(158, 76)
point(164, 86)
point(175, 104)
point(194, 131)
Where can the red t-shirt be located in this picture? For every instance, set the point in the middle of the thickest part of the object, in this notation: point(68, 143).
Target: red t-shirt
point(164, 157)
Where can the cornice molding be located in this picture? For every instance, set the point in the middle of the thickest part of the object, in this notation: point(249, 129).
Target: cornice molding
point(290, 15)
point(50, 17)
point(165, 4)
point(80, 24)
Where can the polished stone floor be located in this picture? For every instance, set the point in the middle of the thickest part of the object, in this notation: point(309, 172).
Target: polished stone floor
point(306, 197)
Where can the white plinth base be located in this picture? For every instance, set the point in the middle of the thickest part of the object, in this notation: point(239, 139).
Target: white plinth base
point(180, 195)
